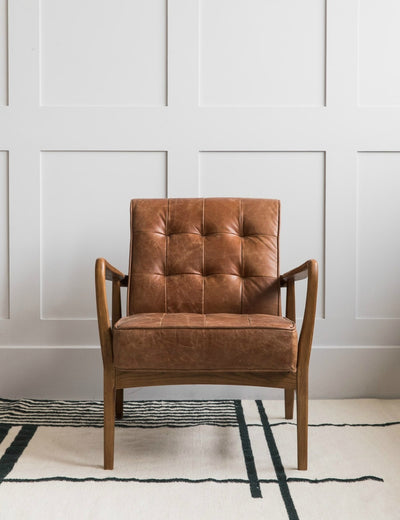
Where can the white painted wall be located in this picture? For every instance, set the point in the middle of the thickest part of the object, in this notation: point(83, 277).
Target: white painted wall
point(102, 101)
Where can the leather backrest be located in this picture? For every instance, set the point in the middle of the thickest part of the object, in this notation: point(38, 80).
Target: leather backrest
point(204, 256)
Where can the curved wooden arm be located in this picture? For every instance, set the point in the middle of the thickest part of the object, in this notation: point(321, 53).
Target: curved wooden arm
point(105, 271)
point(298, 273)
point(112, 272)
point(307, 270)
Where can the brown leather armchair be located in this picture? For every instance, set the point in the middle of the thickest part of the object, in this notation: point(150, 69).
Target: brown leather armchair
point(204, 306)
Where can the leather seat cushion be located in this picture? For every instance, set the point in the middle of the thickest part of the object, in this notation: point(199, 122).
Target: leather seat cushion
point(188, 341)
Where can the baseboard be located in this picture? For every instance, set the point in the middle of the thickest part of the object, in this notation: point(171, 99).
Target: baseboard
point(76, 373)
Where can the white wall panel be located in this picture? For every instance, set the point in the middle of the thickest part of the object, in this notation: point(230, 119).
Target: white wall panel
point(379, 43)
point(262, 52)
point(378, 251)
point(103, 52)
point(4, 237)
point(3, 53)
point(257, 98)
point(85, 215)
point(295, 178)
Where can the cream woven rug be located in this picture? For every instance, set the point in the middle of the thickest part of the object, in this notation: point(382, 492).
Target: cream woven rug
point(189, 460)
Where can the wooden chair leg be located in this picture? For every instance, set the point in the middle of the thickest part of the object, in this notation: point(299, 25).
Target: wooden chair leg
point(119, 403)
point(302, 422)
point(289, 402)
point(109, 420)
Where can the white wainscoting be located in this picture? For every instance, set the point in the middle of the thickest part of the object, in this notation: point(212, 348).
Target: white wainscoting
point(378, 236)
point(268, 174)
point(85, 200)
point(103, 53)
point(262, 53)
point(75, 373)
point(104, 101)
point(3, 53)
point(379, 41)
point(4, 242)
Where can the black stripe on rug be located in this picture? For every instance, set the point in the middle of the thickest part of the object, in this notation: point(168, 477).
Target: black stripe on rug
point(337, 425)
point(247, 452)
point(333, 479)
point(15, 450)
point(188, 480)
point(131, 426)
point(355, 425)
point(276, 459)
point(4, 429)
point(139, 480)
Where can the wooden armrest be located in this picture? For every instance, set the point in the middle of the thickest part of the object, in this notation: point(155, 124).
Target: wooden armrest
point(307, 270)
point(105, 271)
point(111, 271)
point(112, 274)
point(298, 273)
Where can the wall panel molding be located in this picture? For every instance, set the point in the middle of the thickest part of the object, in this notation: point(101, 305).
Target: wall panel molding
point(109, 55)
point(269, 54)
point(4, 238)
point(85, 197)
point(378, 44)
point(378, 238)
point(3, 52)
point(269, 174)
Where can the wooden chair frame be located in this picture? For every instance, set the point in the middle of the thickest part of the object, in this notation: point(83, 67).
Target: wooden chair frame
point(115, 380)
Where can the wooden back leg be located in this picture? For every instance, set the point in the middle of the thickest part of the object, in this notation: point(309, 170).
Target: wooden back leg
point(289, 403)
point(119, 403)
